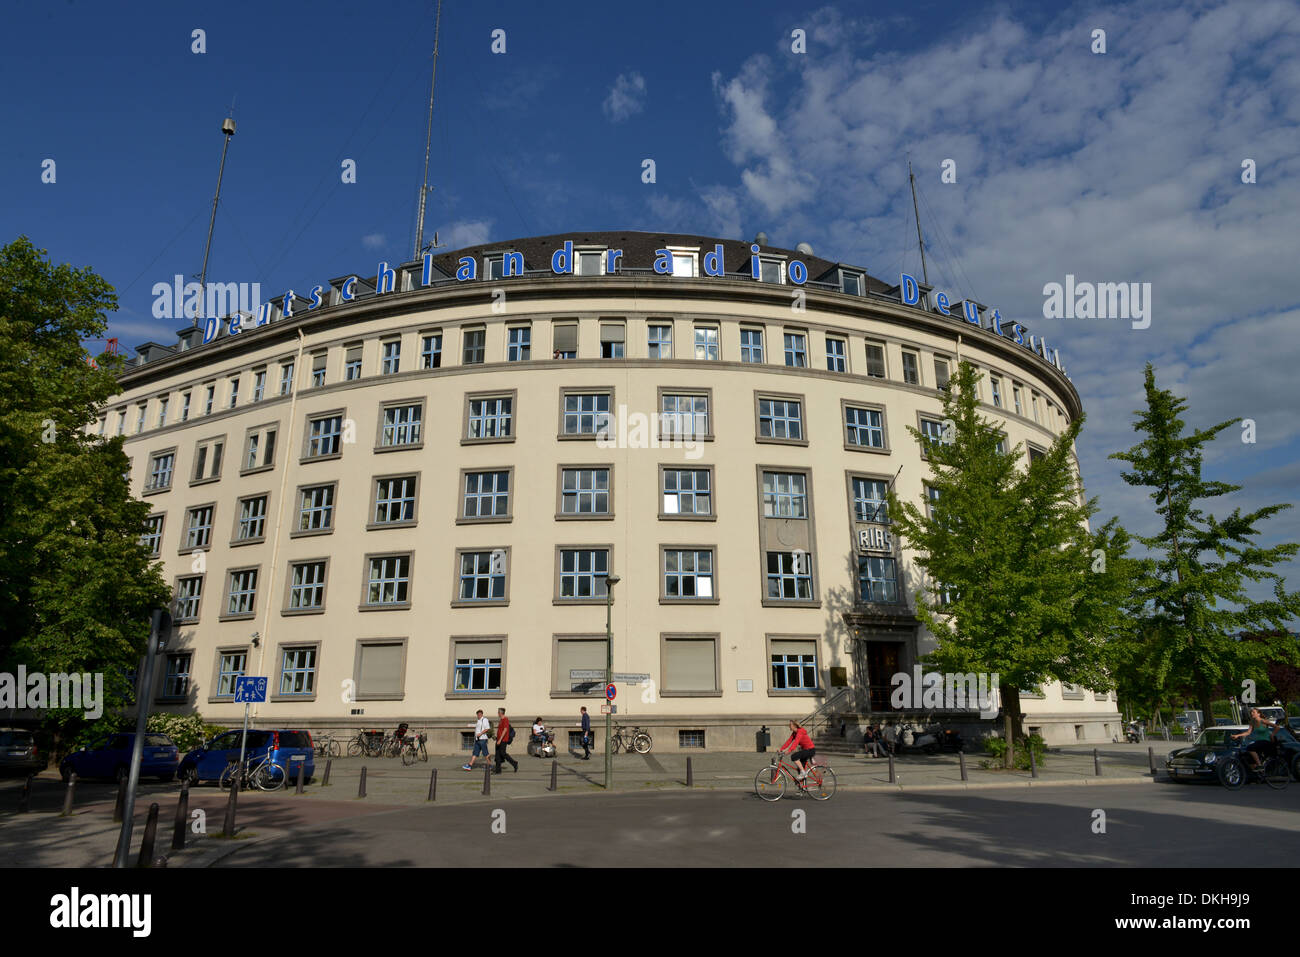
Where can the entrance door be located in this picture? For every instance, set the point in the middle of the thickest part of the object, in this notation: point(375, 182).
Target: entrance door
point(883, 659)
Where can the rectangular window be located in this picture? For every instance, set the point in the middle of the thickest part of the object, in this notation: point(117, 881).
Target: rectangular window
point(474, 346)
point(352, 364)
point(316, 508)
point(401, 425)
point(139, 419)
point(259, 385)
point(207, 460)
point(152, 536)
point(911, 369)
point(584, 491)
point(286, 378)
point(212, 394)
point(243, 592)
point(162, 412)
point(394, 500)
point(611, 340)
point(785, 495)
point(687, 492)
point(189, 593)
point(298, 671)
point(185, 410)
point(1015, 395)
point(431, 351)
point(871, 500)
point(494, 266)
point(837, 359)
point(252, 518)
point(1001, 446)
point(751, 345)
point(121, 422)
point(391, 361)
point(586, 414)
point(487, 495)
point(796, 350)
point(198, 527)
point(864, 427)
point(389, 580)
point(519, 346)
point(307, 586)
point(932, 431)
point(582, 572)
point(490, 417)
point(234, 391)
point(232, 665)
point(690, 664)
point(789, 576)
point(780, 419)
point(996, 385)
point(482, 576)
point(875, 360)
point(931, 499)
point(794, 665)
point(1033, 404)
point(478, 666)
point(565, 340)
point(772, 270)
point(683, 264)
point(588, 262)
point(259, 449)
point(324, 435)
point(176, 683)
point(160, 471)
point(684, 416)
point(877, 579)
point(940, 372)
point(851, 283)
point(706, 342)
point(318, 370)
point(660, 341)
point(578, 654)
point(380, 667)
point(688, 573)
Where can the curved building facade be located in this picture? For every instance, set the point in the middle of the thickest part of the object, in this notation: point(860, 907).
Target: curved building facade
point(399, 497)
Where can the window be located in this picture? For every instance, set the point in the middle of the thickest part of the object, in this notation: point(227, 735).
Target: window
point(794, 665)
point(931, 499)
point(683, 263)
point(691, 739)
point(1033, 404)
point(796, 350)
point(660, 341)
point(494, 266)
point(252, 518)
point(870, 500)
point(380, 666)
point(318, 370)
point(474, 346)
point(161, 466)
point(431, 351)
point(477, 666)
point(690, 665)
point(875, 360)
point(307, 586)
point(212, 394)
point(706, 342)
point(176, 682)
point(489, 417)
point(234, 391)
point(688, 574)
point(877, 579)
point(582, 573)
point(683, 416)
point(298, 671)
point(139, 419)
point(189, 594)
point(911, 368)
point(584, 491)
point(323, 436)
point(585, 414)
point(207, 460)
point(836, 354)
point(243, 592)
point(940, 372)
point(611, 340)
point(772, 270)
point(864, 428)
point(487, 495)
point(687, 492)
point(565, 340)
point(259, 448)
point(352, 364)
point(395, 500)
point(121, 421)
point(578, 654)
point(483, 576)
point(1001, 446)
point(519, 345)
point(589, 262)
point(231, 665)
point(789, 576)
point(780, 419)
point(751, 345)
point(1015, 395)
point(185, 410)
point(1035, 454)
point(785, 495)
point(198, 527)
point(851, 283)
point(286, 378)
point(152, 535)
point(391, 361)
point(259, 386)
point(316, 508)
point(996, 385)
point(388, 580)
point(400, 425)
point(162, 412)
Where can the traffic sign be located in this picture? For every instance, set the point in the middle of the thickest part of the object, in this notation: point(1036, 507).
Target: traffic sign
point(611, 692)
point(250, 690)
point(608, 708)
point(587, 674)
point(630, 679)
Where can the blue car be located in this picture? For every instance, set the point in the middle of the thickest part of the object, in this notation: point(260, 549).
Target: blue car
point(287, 749)
point(112, 758)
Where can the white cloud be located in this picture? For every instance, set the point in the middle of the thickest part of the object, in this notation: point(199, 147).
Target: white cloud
point(626, 97)
point(465, 232)
point(374, 241)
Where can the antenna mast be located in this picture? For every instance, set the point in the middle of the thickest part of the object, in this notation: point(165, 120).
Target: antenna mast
point(227, 128)
point(428, 138)
point(925, 275)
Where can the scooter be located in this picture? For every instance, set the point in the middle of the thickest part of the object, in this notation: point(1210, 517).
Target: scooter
point(543, 747)
point(910, 738)
point(1131, 735)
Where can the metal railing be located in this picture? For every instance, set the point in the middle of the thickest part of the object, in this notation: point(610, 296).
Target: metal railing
point(819, 719)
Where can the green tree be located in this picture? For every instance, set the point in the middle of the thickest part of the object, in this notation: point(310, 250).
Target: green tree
point(76, 586)
point(1031, 594)
point(1194, 600)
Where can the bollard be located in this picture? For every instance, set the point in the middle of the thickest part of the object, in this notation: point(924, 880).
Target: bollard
point(325, 781)
point(302, 771)
point(1033, 764)
point(1151, 760)
point(228, 825)
point(555, 769)
point(160, 861)
point(68, 794)
point(182, 818)
point(120, 806)
point(961, 756)
point(1096, 762)
point(433, 785)
point(150, 834)
point(25, 798)
point(487, 779)
point(893, 778)
point(361, 785)
point(690, 776)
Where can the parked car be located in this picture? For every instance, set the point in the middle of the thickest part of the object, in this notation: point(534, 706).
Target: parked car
point(112, 758)
point(18, 752)
point(1198, 762)
point(287, 747)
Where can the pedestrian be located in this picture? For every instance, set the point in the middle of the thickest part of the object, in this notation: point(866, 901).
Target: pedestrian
point(503, 739)
point(482, 728)
point(585, 724)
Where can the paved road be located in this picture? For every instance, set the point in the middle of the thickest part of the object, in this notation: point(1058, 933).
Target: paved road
point(1161, 825)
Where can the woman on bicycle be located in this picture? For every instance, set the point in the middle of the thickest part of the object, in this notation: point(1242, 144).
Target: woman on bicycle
point(1260, 734)
point(800, 746)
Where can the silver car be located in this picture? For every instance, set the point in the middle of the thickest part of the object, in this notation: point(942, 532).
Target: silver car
point(18, 752)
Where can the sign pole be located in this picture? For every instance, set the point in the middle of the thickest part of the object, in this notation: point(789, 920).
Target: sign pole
point(609, 673)
point(159, 624)
point(243, 744)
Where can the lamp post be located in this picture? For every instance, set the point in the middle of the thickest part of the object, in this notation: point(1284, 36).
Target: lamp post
point(610, 582)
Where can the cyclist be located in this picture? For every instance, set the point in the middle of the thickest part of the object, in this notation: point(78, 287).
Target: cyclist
point(800, 746)
point(1260, 733)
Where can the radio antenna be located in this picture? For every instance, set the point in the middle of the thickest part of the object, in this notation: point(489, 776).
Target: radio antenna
point(925, 275)
point(428, 138)
point(228, 130)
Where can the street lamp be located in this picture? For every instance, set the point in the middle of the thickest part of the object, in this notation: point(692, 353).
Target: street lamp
point(610, 582)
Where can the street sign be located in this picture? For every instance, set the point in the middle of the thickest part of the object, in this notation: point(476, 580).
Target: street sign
point(250, 690)
point(586, 674)
point(611, 692)
point(631, 679)
point(609, 708)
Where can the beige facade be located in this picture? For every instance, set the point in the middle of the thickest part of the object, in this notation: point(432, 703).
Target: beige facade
point(735, 533)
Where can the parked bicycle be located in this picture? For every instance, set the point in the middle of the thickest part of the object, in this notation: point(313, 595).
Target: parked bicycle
point(264, 774)
point(770, 782)
point(413, 748)
point(368, 743)
point(634, 740)
point(326, 746)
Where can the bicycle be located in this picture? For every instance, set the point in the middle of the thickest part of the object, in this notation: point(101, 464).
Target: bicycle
point(413, 747)
point(634, 740)
point(1233, 772)
point(265, 775)
point(770, 782)
point(326, 747)
point(366, 742)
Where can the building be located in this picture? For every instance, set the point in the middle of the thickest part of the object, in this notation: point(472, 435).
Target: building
point(398, 497)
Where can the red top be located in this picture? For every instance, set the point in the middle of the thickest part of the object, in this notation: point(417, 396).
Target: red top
point(503, 729)
point(800, 741)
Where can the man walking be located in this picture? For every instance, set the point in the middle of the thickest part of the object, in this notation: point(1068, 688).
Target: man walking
point(482, 727)
point(503, 739)
point(586, 735)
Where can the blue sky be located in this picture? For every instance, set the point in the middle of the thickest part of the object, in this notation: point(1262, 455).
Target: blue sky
point(1119, 167)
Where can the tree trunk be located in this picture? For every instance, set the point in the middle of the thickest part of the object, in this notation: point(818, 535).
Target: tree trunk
point(1012, 721)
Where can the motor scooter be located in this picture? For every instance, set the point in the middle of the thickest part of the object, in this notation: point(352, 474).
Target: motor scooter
point(911, 738)
point(542, 747)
